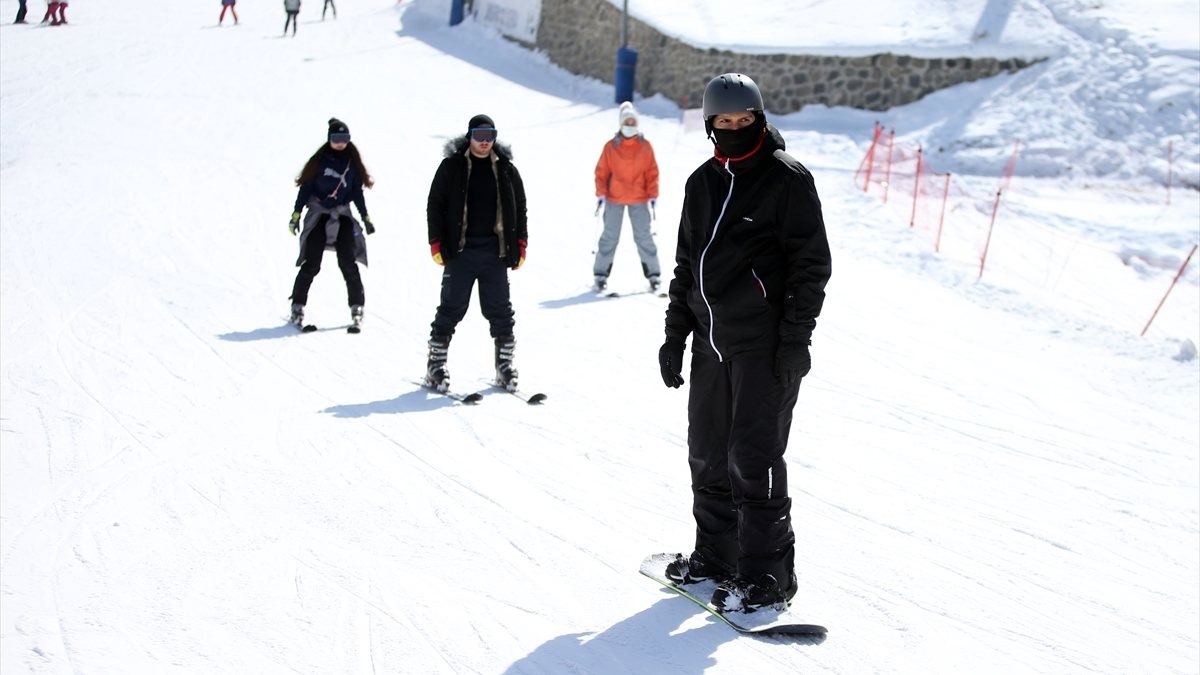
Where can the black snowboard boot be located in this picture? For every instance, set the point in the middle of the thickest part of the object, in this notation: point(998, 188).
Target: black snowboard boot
point(742, 594)
point(696, 568)
point(436, 374)
point(506, 374)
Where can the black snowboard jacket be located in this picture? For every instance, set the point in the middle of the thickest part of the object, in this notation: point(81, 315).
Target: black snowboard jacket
point(752, 258)
point(446, 210)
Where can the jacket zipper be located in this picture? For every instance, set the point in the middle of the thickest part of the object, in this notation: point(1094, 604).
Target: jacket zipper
point(712, 319)
point(761, 286)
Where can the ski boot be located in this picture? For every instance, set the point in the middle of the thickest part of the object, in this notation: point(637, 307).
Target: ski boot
point(356, 318)
point(601, 283)
point(297, 316)
point(696, 568)
point(743, 594)
point(654, 283)
point(436, 375)
point(506, 374)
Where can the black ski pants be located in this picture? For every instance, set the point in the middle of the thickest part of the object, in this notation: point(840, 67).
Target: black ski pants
point(739, 416)
point(478, 261)
point(314, 250)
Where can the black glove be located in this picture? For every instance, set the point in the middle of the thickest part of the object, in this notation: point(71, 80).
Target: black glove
point(792, 361)
point(670, 363)
point(368, 226)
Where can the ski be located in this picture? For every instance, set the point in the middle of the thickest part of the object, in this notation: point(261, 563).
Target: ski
point(470, 399)
point(531, 399)
point(765, 621)
point(618, 294)
point(353, 329)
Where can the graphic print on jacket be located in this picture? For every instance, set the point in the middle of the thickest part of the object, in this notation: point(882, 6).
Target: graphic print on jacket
point(339, 177)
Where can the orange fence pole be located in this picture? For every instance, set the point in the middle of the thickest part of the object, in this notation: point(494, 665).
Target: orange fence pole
point(1010, 168)
point(887, 180)
point(987, 243)
point(1173, 282)
point(870, 158)
point(912, 220)
point(937, 244)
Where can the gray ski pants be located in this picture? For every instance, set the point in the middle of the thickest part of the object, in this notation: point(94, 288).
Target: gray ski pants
point(606, 250)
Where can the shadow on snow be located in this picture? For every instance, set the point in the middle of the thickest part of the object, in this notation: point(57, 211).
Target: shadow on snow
point(647, 642)
point(420, 400)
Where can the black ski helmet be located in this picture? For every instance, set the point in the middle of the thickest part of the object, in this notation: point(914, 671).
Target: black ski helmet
point(730, 93)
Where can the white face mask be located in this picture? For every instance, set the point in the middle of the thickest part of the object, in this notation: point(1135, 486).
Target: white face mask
point(629, 130)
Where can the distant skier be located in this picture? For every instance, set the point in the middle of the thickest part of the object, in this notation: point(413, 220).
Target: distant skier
point(626, 179)
point(328, 5)
point(330, 181)
point(751, 266)
point(477, 231)
point(230, 5)
point(51, 16)
point(292, 9)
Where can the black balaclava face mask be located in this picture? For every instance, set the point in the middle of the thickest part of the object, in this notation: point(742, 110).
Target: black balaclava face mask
point(735, 143)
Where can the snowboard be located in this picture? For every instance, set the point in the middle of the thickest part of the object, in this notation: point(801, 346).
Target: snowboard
point(764, 621)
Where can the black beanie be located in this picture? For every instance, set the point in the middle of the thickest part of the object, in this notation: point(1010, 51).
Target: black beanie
point(337, 126)
point(480, 121)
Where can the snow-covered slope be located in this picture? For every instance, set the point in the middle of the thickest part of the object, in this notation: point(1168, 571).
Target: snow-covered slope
point(989, 476)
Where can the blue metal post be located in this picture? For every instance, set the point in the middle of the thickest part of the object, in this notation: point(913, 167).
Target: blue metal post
point(456, 12)
point(626, 70)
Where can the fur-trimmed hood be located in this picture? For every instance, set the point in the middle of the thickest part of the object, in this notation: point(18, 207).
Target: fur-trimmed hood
point(458, 146)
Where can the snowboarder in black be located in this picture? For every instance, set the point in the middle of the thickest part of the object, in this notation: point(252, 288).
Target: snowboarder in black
point(752, 262)
point(330, 180)
point(477, 231)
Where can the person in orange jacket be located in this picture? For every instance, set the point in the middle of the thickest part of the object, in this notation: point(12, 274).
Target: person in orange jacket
point(626, 179)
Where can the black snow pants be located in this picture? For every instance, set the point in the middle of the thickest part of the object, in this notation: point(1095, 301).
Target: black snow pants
point(739, 416)
point(478, 261)
point(314, 250)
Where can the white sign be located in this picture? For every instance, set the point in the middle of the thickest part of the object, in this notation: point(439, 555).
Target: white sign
point(515, 18)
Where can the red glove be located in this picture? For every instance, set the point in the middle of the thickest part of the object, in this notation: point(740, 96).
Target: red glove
point(435, 250)
point(521, 259)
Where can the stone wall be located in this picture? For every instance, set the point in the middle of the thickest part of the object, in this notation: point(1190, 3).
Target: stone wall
point(583, 36)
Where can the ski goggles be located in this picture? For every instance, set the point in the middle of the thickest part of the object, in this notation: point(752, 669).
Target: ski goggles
point(483, 135)
point(339, 138)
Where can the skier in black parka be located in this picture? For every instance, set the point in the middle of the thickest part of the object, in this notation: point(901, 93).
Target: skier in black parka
point(752, 262)
point(477, 231)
